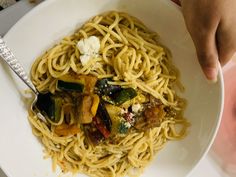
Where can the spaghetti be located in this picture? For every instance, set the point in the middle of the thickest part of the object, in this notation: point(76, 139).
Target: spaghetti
point(132, 58)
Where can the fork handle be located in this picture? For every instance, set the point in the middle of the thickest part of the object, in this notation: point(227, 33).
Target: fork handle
point(7, 55)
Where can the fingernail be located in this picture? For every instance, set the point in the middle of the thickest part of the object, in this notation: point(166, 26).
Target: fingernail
point(211, 74)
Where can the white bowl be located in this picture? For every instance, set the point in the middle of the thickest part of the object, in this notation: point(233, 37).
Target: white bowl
point(21, 153)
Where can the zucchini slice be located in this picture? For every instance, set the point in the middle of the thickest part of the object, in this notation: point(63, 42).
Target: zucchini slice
point(50, 106)
point(124, 95)
point(70, 83)
point(69, 86)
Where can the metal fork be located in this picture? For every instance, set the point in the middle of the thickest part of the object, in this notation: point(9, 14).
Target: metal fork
point(7, 55)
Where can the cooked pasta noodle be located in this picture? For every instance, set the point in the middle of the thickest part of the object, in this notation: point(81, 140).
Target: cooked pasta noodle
point(131, 55)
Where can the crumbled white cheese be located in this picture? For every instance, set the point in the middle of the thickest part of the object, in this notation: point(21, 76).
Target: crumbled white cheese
point(136, 108)
point(123, 111)
point(84, 59)
point(127, 124)
point(89, 48)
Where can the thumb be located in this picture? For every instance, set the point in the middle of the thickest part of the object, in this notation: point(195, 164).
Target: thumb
point(209, 64)
point(207, 54)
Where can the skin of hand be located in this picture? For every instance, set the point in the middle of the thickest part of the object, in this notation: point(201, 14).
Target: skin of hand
point(212, 26)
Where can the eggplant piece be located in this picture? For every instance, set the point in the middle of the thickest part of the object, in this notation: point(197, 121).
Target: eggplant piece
point(49, 106)
point(103, 88)
point(103, 114)
point(124, 95)
point(93, 135)
point(101, 126)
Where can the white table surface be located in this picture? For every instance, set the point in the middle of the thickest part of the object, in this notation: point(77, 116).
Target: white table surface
point(8, 17)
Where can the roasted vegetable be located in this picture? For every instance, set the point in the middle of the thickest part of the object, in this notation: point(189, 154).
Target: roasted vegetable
point(101, 126)
point(87, 108)
point(93, 134)
point(94, 107)
point(123, 127)
point(120, 97)
point(49, 106)
point(103, 114)
point(69, 83)
point(66, 130)
point(152, 117)
point(113, 110)
point(114, 94)
point(124, 95)
point(170, 112)
point(84, 109)
point(57, 108)
point(103, 88)
point(108, 99)
point(68, 114)
point(154, 114)
point(90, 82)
point(68, 86)
point(119, 124)
point(81, 83)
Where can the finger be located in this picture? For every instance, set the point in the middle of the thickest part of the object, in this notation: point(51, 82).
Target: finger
point(177, 2)
point(202, 27)
point(207, 53)
point(226, 43)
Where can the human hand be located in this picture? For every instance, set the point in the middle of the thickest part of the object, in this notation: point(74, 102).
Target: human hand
point(212, 26)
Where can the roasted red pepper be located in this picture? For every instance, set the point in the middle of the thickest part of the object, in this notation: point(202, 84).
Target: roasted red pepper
point(101, 127)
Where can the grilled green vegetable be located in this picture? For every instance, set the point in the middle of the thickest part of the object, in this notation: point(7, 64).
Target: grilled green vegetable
point(69, 86)
point(57, 107)
point(120, 97)
point(108, 99)
point(119, 124)
point(81, 83)
point(70, 83)
point(49, 106)
point(114, 94)
point(124, 95)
